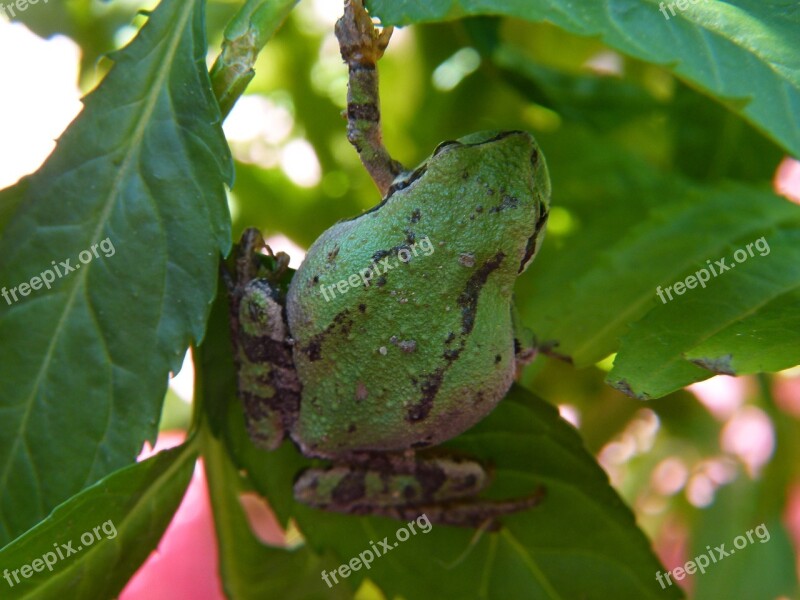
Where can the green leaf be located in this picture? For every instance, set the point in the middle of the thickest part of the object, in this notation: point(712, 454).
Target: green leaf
point(10, 200)
point(761, 568)
point(245, 36)
point(633, 230)
point(744, 321)
point(144, 167)
point(601, 101)
point(712, 144)
point(582, 542)
point(249, 568)
point(125, 514)
point(742, 51)
point(763, 341)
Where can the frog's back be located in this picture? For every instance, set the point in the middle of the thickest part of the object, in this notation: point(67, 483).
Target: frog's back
point(402, 317)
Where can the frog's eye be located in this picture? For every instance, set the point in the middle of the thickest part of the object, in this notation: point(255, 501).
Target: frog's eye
point(444, 146)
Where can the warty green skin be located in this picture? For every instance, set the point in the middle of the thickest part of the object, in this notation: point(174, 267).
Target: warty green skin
point(426, 350)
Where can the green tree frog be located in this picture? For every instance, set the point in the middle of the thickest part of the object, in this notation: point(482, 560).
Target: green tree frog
point(398, 330)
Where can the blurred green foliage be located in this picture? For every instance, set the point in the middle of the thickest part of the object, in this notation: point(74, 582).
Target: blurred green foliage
point(627, 141)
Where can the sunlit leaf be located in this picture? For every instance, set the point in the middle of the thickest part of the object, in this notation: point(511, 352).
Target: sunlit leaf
point(139, 175)
point(124, 516)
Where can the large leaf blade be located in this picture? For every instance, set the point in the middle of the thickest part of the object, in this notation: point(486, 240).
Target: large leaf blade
point(653, 355)
point(130, 508)
point(143, 166)
point(741, 52)
point(634, 232)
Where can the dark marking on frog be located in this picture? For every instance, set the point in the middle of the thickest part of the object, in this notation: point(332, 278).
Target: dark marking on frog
point(429, 388)
point(500, 136)
point(431, 477)
point(395, 187)
point(506, 203)
point(394, 251)
point(465, 174)
point(350, 488)
point(362, 308)
point(411, 237)
point(342, 321)
point(497, 359)
point(351, 428)
point(415, 216)
point(468, 300)
point(315, 280)
point(264, 349)
point(381, 281)
point(446, 145)
point(451, 355)
point(255, 405)
point(409, 492)
point(380, 254)
point(333, 254)
point(530, 247)
point(285, 402)
point(450, 337)
point(401, 184)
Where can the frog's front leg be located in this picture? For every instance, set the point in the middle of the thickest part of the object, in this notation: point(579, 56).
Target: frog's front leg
point(361, 47)
point(267, 381)
point(405, 487)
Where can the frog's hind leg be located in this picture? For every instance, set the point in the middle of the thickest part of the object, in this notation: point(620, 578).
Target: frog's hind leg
point(442, 488)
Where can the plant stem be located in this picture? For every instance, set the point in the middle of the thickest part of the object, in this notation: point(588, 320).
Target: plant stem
point(245, 36)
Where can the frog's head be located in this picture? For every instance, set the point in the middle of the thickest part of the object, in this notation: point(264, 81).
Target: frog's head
point(512, 167)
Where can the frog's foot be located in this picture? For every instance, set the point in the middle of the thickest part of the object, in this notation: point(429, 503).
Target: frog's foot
point(252, 263)
point(444, 489)
point(361, 47)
